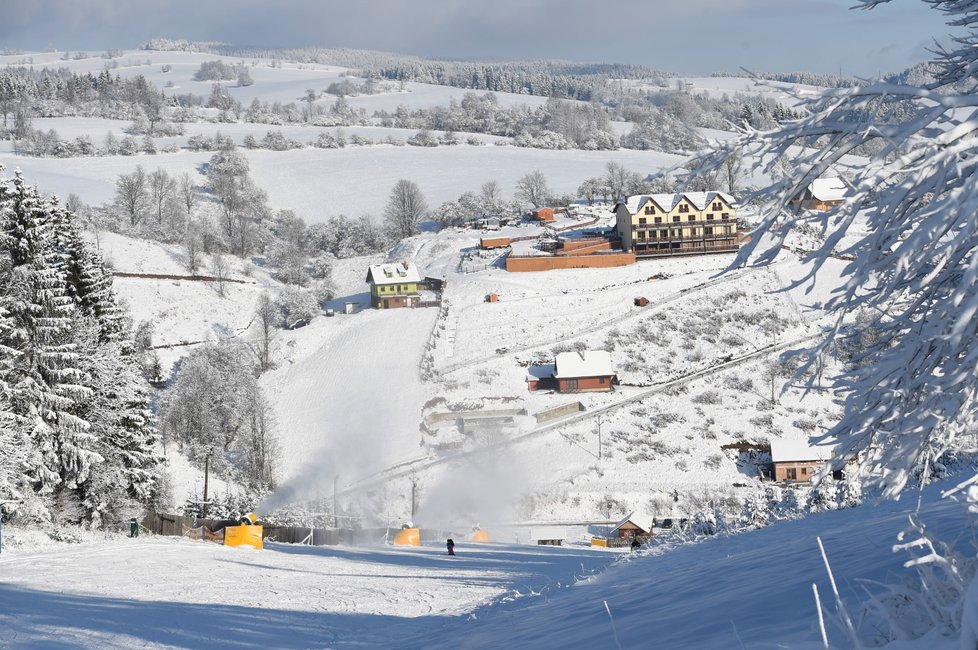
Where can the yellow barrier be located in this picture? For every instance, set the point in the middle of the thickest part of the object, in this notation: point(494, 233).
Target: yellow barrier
point(480, 536)
point(408, 537)
point(598, 541)
point(243, 536)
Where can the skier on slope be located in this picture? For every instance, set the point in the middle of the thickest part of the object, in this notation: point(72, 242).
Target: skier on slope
point(451, 546)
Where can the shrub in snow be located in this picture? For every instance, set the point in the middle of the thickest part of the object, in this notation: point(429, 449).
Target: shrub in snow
point(756, 512)
point(822, 496)
point(296, 304)
point(328, 141)
point(423, 138)
point(710, 396)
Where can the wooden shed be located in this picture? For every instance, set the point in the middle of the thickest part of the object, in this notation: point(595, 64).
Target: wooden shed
point(489, 243)
point(544, 214)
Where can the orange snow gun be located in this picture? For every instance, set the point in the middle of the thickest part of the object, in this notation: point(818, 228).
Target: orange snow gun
point(247, 533)
point(408, 537)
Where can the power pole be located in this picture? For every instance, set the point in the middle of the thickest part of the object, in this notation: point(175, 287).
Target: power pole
point(336, 521)
point(207, 461)
point(599, 436)
point(414, 497)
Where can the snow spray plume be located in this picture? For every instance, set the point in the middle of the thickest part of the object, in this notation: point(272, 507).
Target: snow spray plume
point(481, 489)
point(353, 448)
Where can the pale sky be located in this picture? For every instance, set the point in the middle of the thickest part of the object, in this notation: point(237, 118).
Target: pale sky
point(689, 36)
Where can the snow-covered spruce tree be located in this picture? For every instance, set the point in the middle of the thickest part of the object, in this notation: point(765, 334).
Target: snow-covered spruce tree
point(46, 383)
point(915, 251)
point(69, 372)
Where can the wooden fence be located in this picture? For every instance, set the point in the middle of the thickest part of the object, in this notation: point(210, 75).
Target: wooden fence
point(175, 525)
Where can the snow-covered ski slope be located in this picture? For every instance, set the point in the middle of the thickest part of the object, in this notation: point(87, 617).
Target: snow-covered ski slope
point(751, 590)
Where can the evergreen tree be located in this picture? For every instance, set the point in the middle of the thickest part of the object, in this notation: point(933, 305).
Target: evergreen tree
point(46, 383)
point(75, 433)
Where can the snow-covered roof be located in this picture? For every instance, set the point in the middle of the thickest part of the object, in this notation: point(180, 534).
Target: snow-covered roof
point(669, 201)
point(589, 363)
point(538, 372)
point(828, 189)
point(642, 521)
point(393, 273)
point(787, 450)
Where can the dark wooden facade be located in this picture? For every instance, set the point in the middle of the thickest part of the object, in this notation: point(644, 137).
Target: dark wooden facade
point(584, 384)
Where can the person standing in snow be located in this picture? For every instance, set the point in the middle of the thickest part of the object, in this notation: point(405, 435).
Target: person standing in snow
point(451, 546)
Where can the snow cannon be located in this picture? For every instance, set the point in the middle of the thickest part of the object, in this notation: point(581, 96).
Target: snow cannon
point(408, 536)
point(479, 535)
point(247, 533)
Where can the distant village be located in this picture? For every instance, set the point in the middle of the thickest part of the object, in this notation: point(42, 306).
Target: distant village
point(644, 227)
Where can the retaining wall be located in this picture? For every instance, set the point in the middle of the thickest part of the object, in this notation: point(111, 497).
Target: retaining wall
point(545, 263)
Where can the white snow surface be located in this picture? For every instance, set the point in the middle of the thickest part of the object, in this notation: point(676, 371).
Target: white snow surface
point(751, 590)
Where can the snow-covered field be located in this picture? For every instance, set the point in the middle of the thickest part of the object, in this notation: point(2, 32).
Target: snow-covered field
point(319, 183)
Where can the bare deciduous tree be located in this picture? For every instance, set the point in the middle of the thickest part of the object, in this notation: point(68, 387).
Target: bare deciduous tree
point(533, 189)
point(131, 195)
point(219, 267)
point(405, 209)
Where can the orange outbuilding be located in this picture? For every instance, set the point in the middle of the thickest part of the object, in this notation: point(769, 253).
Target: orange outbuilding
point(544, 214)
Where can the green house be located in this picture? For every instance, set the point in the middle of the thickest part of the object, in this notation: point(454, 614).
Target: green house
point(394, 285)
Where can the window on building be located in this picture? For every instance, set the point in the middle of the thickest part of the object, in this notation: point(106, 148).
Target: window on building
point(709, 217)
point(708, 231)
point(692, 217)
point(804, 470)
point(677, 218)
point(642, 221)
point(684, 207)
point(791, 474)
point(664, 234)
point(603, 380)
point(641, 234)
point(725, 215)
point(658, 219)
point(717, 207)
point(649, 209)
point(570, 384)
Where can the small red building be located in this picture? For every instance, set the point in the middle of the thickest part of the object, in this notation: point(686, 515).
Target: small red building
point(796, 460)
point(588, 370)
point(544, 214)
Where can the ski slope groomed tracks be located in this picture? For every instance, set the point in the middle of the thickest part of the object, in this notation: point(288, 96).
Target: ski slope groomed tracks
point(174, 593)
point(336, 404)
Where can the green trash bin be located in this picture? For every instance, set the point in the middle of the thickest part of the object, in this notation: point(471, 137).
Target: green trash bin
point(133, 528)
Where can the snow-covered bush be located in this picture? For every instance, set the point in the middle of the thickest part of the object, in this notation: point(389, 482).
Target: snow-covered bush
point(296, 304)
